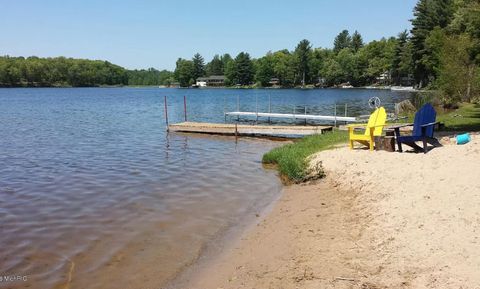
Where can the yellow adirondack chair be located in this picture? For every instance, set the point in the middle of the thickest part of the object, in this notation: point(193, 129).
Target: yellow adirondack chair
point(373, 128)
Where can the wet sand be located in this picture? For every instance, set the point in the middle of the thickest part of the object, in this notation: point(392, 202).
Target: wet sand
point(379, 220)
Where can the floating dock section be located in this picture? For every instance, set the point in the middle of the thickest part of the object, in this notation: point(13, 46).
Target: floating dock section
point(292, 116)
point(247, 130)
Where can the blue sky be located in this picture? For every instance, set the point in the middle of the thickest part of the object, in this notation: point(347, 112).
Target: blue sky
point(148, 33)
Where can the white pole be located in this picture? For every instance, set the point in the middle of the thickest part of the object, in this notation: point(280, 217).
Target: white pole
point(335, 114)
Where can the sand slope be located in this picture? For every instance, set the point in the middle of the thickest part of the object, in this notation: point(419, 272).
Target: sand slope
point(379, 220)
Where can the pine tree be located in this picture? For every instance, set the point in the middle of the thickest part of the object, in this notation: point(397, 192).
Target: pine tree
point(343, 40)
point(215, 67)
point(302, 54)
point(428, 14)
point(357, 41)
point(243, 69)
point(399, 57)
point(198, 66)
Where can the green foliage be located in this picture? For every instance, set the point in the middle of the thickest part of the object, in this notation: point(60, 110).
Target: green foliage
point(241, 70)
point(292, 159)
point(184, 72)
point(198, 66)
point(150, 76)
point(402, 64)
point(264, 70)
point(302, 54)
point(284, 67)
point(428, 14)
point(215, 67)
point(342, 41)
point(59, 71)
point(357, 41)
point(376, 58)
point(458, 81)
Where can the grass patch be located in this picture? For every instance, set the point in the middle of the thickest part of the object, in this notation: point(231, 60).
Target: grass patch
point(465, 118)
point(291, 159)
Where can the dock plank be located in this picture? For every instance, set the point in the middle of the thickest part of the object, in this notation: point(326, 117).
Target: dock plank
point(247, 130)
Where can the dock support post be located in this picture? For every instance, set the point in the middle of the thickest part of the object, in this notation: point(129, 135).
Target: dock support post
point(185, 107)
point(166, 112)
point(335, 114)
point(294, 111)
point(269, 106)
point(345, 112)
point(236, 130)
point(225, 107)
point(305, 115)
point(238, 107)
point(256, 109)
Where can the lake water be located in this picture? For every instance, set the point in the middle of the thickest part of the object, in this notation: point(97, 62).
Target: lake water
point(95, 194)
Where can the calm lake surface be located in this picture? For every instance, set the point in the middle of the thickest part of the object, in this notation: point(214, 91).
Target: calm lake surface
point(95, 194)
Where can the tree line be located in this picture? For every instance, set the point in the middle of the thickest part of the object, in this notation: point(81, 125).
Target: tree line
point(61, 71)
point(440, 52)
point(351, 61)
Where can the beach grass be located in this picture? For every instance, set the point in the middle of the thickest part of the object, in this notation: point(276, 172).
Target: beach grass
point(292, 159)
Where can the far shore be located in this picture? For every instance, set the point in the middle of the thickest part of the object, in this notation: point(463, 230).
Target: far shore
point(378, 220)
point(209, 87)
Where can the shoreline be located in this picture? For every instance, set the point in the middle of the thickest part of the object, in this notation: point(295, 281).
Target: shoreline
point(368, 224)
point(279, 251)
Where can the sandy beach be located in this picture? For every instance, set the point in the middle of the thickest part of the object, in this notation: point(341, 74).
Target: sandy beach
point(378, 220)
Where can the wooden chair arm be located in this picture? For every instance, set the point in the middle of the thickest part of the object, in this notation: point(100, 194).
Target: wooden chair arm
point(354, 125)
point(429, 124)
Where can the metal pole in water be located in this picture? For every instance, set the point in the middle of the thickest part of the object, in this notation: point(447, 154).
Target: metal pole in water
point(256, 109)
point(269, 106)
point(294, 110)
point(305, 115)
point(335, 114)
point(185, 107)
point(166, 112)
point(225, 108)
point(238, 107)
point(345, 113)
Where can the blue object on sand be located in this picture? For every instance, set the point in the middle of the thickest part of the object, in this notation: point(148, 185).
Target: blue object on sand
point(463, 138)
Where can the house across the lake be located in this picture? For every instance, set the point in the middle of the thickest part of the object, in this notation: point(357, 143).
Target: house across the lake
point(214, 80)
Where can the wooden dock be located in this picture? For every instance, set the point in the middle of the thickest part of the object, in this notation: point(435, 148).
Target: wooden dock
point(247, 130)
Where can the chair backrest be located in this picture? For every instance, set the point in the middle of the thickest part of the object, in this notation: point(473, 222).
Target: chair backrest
point(426, 114)
point(377, 119)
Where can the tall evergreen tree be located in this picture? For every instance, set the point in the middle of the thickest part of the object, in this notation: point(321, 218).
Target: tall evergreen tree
point(302, 54)
point(198, 66)
point(343, 40)
point(357, 41)
point(428, 14)
point(402, 62)
point(215, 67)
point(244, 70)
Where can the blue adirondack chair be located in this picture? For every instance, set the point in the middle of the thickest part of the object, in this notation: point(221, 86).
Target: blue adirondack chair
point(423, 128)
